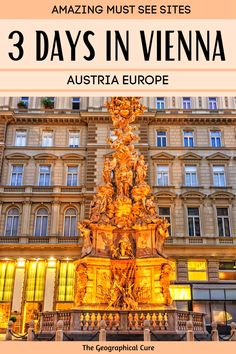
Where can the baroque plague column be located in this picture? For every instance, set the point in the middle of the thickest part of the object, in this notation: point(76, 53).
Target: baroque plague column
point(122, 264)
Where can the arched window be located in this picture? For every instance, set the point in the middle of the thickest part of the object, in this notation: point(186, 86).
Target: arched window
point(12, 222)
point(70, 228)
point(41, 222)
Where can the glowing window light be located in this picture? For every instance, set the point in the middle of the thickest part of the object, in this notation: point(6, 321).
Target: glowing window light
point(180, 292)
point(65, 290)
point(20, 262)
point(51, 262)
point(197, 270)
point(35, 281)
point(7, 271)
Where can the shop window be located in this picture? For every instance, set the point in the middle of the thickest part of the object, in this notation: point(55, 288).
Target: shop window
point(7, 272)
point(66, 282)
point(180, 292)
point(35, 281)
point(227, 271)
point(197, 270)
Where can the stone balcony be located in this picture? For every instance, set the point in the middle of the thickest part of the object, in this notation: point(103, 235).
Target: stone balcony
point(42, 189)
point(85, 321)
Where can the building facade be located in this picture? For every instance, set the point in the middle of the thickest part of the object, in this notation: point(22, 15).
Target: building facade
point(52, 152)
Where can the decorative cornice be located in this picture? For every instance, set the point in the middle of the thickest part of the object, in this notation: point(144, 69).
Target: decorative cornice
point(190, 195)
point(190, 156)
point(45, 156)
point(221, 195)
point(218, 156)
point(162, 156)
point(72, 156)
point(165, 195)
point(17, 156)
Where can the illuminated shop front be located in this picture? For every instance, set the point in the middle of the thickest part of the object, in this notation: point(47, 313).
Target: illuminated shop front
point(28, 287)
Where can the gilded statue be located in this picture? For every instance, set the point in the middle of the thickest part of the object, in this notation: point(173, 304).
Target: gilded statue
point(141, 170)
point(85, 232)
point(107, 171)
point(161, 234)
point(122, 220)
point(81, 283)
point(166, 271)
point(125, 247)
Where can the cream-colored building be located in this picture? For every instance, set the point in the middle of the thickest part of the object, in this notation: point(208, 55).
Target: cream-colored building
point(51, 162)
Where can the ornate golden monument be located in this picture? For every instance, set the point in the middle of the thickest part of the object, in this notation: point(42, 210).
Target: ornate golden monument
point(122, 264)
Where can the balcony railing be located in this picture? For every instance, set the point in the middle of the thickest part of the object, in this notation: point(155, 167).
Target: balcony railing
point(40, 240)
point(164, 321)
point(42, 189)
point(182, 241)
point(196, 240)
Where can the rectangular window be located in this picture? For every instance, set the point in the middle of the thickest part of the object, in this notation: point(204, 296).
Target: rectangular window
point(219, 176)
point(16, 175)
point(74, 139)
point(223, 222)
point(160, 102)
point(66, 282)
point(7, 273)
point(215, 138)
point(193, 222)
point(162, 175)
point(191, 176)
point(161, 139)
point(212, 103)
point(197, 270)
point(188, 138)
point(35, 281)
point(20, 139)
point(164, 212)
point(72, 176)
point(186, 103)
point(47, 138)
point(76, 103)
point(44, 175)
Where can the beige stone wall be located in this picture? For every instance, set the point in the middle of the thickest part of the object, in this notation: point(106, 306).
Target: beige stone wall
point(94, 131)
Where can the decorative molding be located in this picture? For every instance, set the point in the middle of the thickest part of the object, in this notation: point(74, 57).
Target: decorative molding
point(218, 156)
point(45, 156)
point(193, 195)
point(165, 195)
point(72, 157)
point(221, 195)
point(163, 156)
point(17, 156)
point(190, 156)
